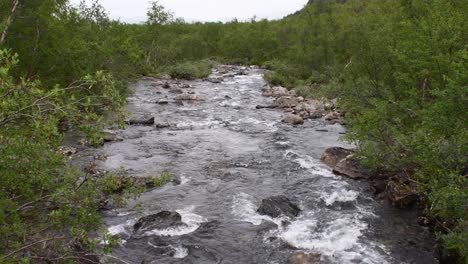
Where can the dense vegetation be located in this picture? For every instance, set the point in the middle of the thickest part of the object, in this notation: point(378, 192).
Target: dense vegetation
point(398, 68)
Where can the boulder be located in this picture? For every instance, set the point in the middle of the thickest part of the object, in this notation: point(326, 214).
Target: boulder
point(166, 85)
point(305, 258)
point(286, 102)
point(352, 168)
point(147, 121)
point(294, 120)
point(279, 91)
point(401, 195)
point(109, 136)
point(276, 206)
point(161, 220)
point(333, 155)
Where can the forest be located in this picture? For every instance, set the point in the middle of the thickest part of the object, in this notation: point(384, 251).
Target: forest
point(398, 68)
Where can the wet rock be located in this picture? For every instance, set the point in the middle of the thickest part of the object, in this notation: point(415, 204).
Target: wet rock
point(333, 155)
point(242, 72)
point(352, 168)
point(215, 79)
point(162, 102)
point(166, 85)
point(187, 97)
point(294, 120)
point(109, 136)
point(305, 258)
point(161, 220)
point(286, 102)
point(67, 151)
point(185, 86)
point(147, 121)
point(265, 106)
point(176, 91)
point(278, 205)
point(400, 194)
point(163, 125)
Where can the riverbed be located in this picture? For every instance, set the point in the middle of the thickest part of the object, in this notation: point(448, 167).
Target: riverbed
point(225, 156)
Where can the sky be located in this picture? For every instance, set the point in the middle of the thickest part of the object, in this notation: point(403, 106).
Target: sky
point(134, 11)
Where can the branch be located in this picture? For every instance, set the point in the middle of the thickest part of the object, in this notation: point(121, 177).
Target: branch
point(9, 20)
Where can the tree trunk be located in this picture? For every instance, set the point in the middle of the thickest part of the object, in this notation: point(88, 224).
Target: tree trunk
point(9, 20)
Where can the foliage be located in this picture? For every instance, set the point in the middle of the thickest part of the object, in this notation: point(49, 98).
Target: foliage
point(191, 70)
point(44, 202)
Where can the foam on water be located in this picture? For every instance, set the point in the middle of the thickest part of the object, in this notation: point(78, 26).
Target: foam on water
point(338, 239)
point(342, 195)
point(122, 228)
point(309, 163)
point(245, 209)
point(180, 252)
point(192, 221)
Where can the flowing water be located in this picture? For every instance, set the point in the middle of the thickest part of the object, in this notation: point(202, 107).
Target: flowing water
point(226, 156)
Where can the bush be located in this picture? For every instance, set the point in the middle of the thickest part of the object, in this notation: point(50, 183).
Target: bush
point(47, 209)
point(191, 70)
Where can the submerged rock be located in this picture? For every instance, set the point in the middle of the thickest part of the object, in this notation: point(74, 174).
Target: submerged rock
point(333, 155)
point(278, 205)
point(305, 258)
point(294, 120)
point(187, 97)
point(141, 121)
point(161, 220)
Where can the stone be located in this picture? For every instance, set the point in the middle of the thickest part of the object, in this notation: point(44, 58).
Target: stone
point(286, 102)
point(215, 79)
point(187, 97)
point(166, 85)
point(294, 120)
point(333, 155)
point(147, 121)
point(67, 151)
point(176, 91)
point(109, 136)
point(401, 195)
point(161, 220)
point(305, 258)
point(276, 206)
point(265, 106)
point(162, 102)
point(352, 168)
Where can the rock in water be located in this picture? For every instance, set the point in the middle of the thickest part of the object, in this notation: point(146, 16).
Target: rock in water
point(161, 220)
point(294, 120)
point(305, 258)
point(278, 205)
point(141, 121)
point(352, 168)
point(333, 155)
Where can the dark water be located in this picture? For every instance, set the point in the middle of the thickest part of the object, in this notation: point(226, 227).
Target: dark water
point(228, 156)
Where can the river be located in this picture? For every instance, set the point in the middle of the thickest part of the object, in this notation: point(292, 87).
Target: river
point(225, 156)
